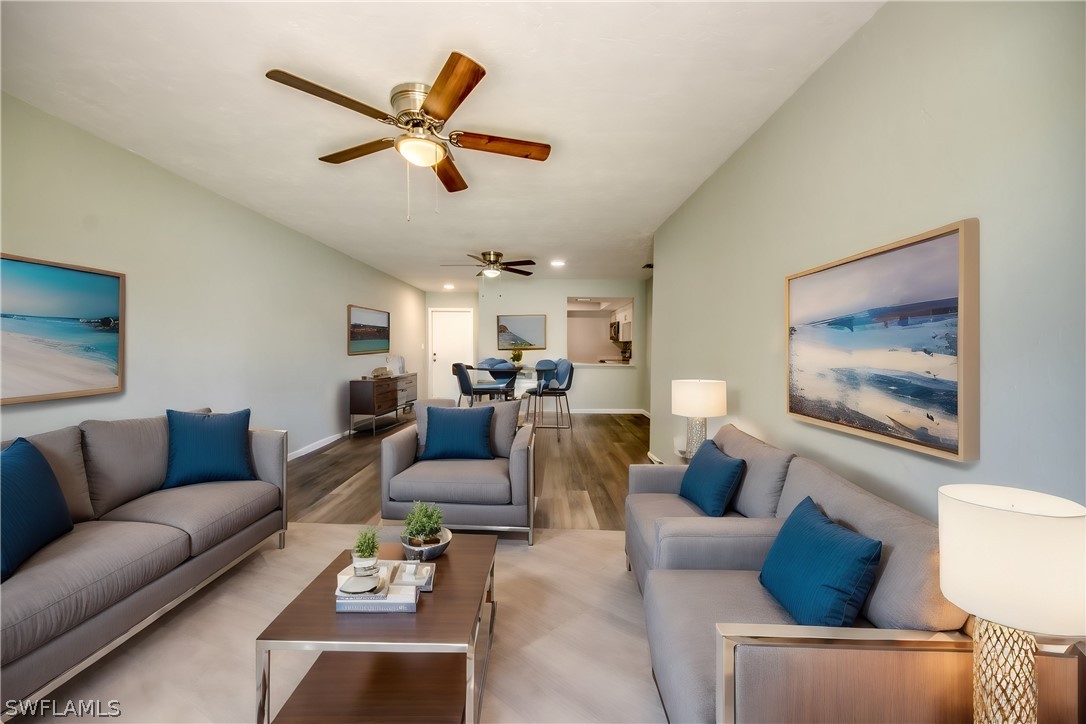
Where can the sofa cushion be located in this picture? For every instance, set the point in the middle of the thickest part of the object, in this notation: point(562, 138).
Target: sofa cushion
point(711, 478)
point(458, 434)
point(906, 591)
point(760, 489)
point(209, 512)
point(80, 574)
point(205, 447)
point(125, 459)
point(682, 609)
point(63, 449)
point(483, 482)
point(643, 510)
point(33, 511)
point(819, 571)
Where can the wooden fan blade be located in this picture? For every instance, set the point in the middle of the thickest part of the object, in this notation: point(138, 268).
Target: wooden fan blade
point(479, 259)
point(504, 146)
point(450, 175)
point(281, 76)
point(456, 80)
point(518, 271)
point(479, 274)
point(474, 265)
point(522, 262)
point(349, 154)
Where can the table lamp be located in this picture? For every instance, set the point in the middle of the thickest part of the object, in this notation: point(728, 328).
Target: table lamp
point(696, 400)
point(1016, 559)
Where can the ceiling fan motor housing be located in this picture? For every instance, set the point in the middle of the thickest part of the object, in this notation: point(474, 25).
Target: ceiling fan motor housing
point(407, 99)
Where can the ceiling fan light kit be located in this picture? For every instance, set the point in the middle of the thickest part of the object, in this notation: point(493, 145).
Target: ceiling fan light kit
point(421, 111)
point(491, 273)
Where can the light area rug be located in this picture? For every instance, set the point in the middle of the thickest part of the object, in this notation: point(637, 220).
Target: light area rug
point(569, 643)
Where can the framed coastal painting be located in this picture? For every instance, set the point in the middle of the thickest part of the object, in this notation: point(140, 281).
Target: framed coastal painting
point(522, 331)
point(62, 329)
point(884, 344)
point(367, 330)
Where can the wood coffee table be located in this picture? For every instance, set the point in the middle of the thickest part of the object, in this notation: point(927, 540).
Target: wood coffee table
point(387, 667)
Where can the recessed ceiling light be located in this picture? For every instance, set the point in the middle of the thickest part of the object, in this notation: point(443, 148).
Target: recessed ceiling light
point(450, 286)
point(583, 299)
point(558, 262)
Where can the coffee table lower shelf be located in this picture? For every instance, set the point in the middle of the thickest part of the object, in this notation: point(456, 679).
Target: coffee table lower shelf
point(378, 687)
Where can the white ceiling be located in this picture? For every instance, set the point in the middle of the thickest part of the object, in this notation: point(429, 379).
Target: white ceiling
point(615, 88)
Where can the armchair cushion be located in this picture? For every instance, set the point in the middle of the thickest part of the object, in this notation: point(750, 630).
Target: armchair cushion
point(819, 571)
point(458, 434)
point(711, 479)
point(206, 447)
point(483, 482)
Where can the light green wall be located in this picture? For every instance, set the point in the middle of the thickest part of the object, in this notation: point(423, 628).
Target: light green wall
point(594, 388)
point(225, 307)
point(931, 113)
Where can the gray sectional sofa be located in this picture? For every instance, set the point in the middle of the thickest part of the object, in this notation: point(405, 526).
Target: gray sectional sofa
point(134, 552)
point(696, 572)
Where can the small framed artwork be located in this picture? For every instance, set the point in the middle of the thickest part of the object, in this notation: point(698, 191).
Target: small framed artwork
point(884, 344)
point(63, 330)
point(522, 331)
point(367, 330)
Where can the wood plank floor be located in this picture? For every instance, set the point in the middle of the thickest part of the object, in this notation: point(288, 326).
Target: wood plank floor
point(580, 480)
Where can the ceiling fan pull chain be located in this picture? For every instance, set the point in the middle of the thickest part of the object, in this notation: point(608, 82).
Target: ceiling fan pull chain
point(436, 195)
point(407, 168)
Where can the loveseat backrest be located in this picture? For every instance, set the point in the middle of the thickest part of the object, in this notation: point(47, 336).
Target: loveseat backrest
point(760, 489)
point(125, 459)
point(63, 451)
point(906, 592)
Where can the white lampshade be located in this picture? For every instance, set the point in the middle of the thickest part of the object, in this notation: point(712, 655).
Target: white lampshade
point(699, 398)
point(420, 150)
point(1015, 557)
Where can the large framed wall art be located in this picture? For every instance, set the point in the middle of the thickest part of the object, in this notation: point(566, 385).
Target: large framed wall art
point(522, 331)
point(367, 330)
point(884, 344)
point(62, 330)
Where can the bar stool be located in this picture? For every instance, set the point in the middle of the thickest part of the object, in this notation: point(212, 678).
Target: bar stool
point(557, 388)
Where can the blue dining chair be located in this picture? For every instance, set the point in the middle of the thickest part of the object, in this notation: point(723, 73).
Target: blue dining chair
point(556, 388)
point(472, 390)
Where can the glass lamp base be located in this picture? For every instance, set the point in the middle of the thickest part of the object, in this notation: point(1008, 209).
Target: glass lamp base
point(1004, 674)
point(695, 434)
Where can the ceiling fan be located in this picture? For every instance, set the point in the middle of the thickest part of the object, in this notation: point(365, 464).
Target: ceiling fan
point(492, 264)
point(420, 112)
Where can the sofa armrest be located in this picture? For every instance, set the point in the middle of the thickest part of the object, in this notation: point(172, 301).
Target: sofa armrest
point(729, 544)
point(786, 673)
point(268, 453)
point(398, 452)
point(656, 478)
point(522, 467)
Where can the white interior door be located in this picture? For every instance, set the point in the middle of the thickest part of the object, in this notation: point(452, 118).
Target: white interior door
point(452, 339)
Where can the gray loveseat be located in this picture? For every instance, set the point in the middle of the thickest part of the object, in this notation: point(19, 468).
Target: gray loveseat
point(497, 494)
point(697, 572)
point(135, 551)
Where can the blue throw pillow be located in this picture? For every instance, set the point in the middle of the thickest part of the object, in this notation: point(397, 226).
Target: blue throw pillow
point(458, 433)
point(206, 448)
point(33, 511)
point(819, 571)
point(711, 479)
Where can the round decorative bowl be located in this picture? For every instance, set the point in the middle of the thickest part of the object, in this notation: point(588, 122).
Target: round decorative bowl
point(426, 551)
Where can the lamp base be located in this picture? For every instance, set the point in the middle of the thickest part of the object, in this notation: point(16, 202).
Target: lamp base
point(695, 434)
point(1004, 674)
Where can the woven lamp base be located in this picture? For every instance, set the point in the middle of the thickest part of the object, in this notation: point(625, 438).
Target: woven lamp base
point(695, 434)
point(1004, 674)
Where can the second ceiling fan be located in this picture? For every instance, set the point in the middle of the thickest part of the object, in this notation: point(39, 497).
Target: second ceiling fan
point(421, 111)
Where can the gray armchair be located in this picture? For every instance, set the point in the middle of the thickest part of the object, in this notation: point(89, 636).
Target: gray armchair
point(496, 494)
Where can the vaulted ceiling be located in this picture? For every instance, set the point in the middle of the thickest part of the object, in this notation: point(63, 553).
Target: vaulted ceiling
point(640, 102)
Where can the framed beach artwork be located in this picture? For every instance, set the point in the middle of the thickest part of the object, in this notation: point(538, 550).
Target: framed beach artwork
point(62, 330)
point(884, 344)
point(522, 331)
point(367, 330)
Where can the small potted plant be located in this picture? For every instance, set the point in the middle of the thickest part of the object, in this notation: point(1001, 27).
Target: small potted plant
point(516, 356)
point(364, 554)
point(423, 536)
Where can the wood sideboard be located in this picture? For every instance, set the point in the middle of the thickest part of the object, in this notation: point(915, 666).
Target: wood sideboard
point(382, 396)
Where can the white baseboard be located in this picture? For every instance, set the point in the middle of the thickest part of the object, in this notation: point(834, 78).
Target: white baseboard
point(612, 412)
point(316, 445)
